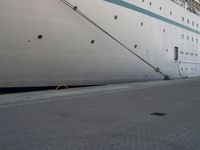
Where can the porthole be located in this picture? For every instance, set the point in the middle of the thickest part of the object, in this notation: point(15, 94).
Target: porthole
point(136, 46)
point(160, 8)
point(163, 30)
point(142, 23)
point(150, 3)
point(182, 36)
point(170, 12)
point(40, 36)
point(192, 23)
point(92, 41)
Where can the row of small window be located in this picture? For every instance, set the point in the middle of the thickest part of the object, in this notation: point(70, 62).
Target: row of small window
point(142, 24)
point(188, 69)
point(183, 36)
point(188, 38)
point(188, 21)
point(150, 3)
point(187, 53)
point(183, 18)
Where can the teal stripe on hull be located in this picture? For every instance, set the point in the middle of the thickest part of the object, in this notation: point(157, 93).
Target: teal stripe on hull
point(151, 14)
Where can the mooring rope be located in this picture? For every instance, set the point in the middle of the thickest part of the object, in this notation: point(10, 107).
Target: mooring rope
point(75, 8)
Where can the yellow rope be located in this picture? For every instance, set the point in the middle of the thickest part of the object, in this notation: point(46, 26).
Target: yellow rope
point(62, 86)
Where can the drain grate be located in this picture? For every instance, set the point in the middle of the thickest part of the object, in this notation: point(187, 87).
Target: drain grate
point(158, 114)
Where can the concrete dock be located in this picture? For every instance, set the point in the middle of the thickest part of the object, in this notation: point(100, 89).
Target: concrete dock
point(158, 115)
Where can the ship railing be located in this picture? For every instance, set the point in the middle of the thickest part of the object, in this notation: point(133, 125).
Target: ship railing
point(179, 2)
point(191, 5)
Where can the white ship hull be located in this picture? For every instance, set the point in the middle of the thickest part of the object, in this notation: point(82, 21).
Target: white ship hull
point(73, 51)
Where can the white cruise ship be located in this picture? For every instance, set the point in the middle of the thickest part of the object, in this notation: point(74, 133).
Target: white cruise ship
point(92, 42)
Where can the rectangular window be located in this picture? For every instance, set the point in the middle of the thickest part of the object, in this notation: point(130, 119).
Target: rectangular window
point(175, 53)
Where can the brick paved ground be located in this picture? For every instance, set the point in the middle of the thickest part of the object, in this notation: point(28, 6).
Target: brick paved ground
point(114, 117)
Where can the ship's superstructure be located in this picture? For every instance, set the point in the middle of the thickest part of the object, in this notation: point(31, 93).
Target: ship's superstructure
point(90, 42)
point(191, 5)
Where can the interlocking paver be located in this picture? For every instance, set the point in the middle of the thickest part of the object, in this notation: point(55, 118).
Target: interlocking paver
point(118, 120)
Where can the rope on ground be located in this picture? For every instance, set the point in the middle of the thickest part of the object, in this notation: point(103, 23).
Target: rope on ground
point(61, 87)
